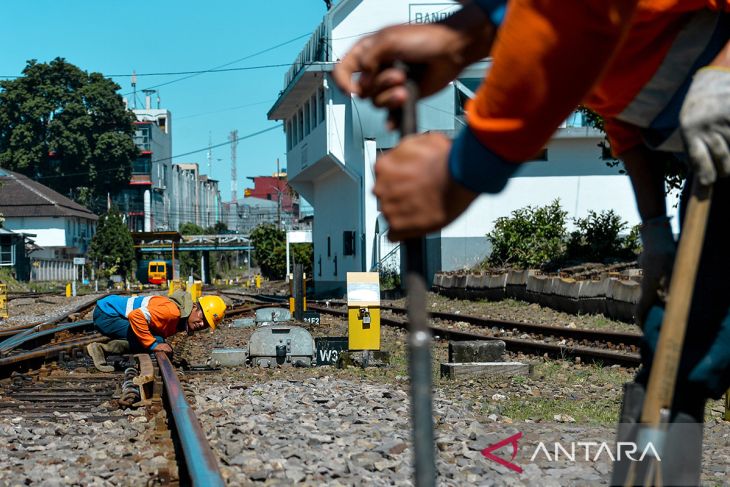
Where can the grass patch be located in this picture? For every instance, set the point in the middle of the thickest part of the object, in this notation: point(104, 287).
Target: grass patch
point(594, 412)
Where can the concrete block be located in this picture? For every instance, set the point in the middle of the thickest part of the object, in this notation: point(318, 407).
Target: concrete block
point(539, 284)
point(437, 278)
point(476, 351)
point(484, 369)
point(626, 291)
point(243, 323)
point(229, 357)
point(272, 315)
point(447, 281)
point(566, 287)
point(476, 281)
point(498, 281)
point(594, 289)
point(519, 278)
point(460, 281)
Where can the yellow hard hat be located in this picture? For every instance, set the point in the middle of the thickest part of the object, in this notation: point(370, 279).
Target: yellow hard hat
point(213, 308)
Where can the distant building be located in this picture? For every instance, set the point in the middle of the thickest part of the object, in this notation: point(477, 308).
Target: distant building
point(275, 188)
point(161, 195)
point(60, 227)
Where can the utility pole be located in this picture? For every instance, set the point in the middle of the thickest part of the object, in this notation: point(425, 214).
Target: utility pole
point(134, 89)
point(210, 154)
point(233, 137)
point(278, 196)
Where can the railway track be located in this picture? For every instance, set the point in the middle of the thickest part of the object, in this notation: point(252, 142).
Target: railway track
point(597, 346)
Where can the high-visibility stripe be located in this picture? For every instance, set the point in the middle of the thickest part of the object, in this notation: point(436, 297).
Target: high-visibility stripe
point(687, 47)
point(144, 307)
point(138, 302)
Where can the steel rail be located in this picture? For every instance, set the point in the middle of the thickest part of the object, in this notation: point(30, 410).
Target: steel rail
point(573, 333)
point(200, 461)
point(39, 332)
point(50, 351)
point(517, 344)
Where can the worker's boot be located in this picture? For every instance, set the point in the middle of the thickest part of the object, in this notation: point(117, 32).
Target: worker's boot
point(116, 346)
point(680, 451)
point(96, 352)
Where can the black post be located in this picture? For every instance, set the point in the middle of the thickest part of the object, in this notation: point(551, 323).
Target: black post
point(298, 291)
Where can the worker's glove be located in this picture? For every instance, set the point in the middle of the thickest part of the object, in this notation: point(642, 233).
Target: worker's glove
point(705, 124)
point(656, 261)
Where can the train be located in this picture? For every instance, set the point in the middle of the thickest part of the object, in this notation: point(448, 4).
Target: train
point(154, 271)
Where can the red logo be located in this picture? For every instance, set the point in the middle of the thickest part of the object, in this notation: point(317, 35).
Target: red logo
point(512, 440)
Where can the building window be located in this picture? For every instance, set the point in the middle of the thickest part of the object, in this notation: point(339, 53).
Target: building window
point(348, 242)
point(329, 247)
point(300, 119)
point(6, 251)
point(313, 104)
point(306, 118)
point(288, 135)
point(335, 273)
point(322, 105)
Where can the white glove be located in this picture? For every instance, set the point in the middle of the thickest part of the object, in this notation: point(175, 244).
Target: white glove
point(656, 261)
point(705, 124)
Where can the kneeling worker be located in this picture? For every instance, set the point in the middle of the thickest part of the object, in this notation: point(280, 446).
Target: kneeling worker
point(141, 324)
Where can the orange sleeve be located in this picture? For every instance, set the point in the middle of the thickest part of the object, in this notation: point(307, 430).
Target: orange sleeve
point(141, 327)
point(547, 57)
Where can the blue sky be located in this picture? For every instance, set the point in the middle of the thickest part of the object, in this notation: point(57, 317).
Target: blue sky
point(116, 37)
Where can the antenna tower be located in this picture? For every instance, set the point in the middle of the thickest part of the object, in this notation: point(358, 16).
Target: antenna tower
point(233, 137)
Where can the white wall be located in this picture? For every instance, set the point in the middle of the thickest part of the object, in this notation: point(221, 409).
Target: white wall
point(337, 204)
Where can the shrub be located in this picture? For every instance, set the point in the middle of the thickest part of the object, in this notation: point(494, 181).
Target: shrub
point(529, 237)
point(598, 237)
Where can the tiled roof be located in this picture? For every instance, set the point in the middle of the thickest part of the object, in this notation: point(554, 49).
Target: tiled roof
point(20, 196)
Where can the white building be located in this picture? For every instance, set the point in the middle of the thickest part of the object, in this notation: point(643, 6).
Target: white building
point(60, 227)
point(333, 139)
point(193, 198)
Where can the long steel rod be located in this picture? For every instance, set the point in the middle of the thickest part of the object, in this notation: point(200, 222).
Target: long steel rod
point(419, 337)
point(200, 461)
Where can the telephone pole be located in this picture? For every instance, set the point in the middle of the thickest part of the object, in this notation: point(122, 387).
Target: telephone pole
point(278, 196)
point(233, 137)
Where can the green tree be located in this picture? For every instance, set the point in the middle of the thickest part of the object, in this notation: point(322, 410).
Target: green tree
point(112, 248)
point(529, 237)
point(66, 128)
point(270, 251)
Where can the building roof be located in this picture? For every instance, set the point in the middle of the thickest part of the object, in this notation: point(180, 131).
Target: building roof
point(20, 196)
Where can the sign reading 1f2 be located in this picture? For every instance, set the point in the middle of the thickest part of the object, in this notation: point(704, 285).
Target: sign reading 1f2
point(426, 13)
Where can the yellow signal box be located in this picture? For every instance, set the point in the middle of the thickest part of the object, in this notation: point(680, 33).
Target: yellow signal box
point(363, 310)
point(3, 301)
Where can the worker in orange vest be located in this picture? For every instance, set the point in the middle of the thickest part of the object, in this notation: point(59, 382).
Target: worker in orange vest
point(657, 71)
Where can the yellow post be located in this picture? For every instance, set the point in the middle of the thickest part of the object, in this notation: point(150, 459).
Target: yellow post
point(3, 301)
point(727, 405)
point(175, 285)
point(68, 290)
point(196, 290)
point(258, 281)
